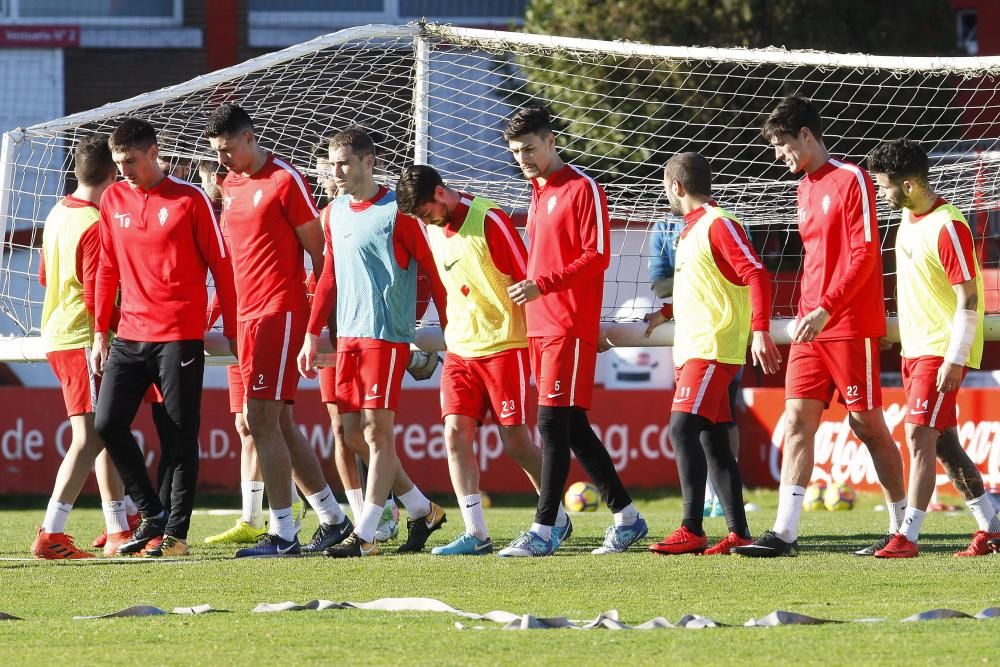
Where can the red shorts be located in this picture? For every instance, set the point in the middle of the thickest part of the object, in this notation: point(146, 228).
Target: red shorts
point(498, 382)
point(268, 347)
point(237, 392)
point(369, 374)
point(328, 384)
point(927, 406)
point(850, 366)
point(703, 389)
point(79, 385)
point(564, 370)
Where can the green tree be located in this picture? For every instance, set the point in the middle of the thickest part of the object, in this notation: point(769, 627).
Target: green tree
point(624, 116)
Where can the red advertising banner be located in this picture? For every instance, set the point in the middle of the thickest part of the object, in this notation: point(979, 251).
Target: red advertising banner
point(39, 36)
point(34, 435)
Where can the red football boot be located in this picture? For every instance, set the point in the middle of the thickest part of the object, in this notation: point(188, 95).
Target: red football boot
point(681, 541)
point(56, 546)
point(726, 544)
point(898, 547)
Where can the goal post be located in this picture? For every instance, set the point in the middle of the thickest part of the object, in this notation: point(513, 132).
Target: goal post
point(439, 95)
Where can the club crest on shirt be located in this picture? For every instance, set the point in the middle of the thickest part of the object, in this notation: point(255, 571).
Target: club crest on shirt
point(826, 204)
point(552, 204)
point(162, 216)
point(257, 197)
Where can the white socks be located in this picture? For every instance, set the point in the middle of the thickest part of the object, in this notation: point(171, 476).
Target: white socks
point(786, 523)
point(911, 524)
point(986, 514)
point(356, 499)
point(130, 508)
point(626, 517)
point(56, 515)
point(326, 506)
point(544, 532)
point(282, 523)
point(253, 503)
point(897, 512)
point(416, 503)
point(370, 516)
point(115, 518)
point(472, 515)
point(561, 517)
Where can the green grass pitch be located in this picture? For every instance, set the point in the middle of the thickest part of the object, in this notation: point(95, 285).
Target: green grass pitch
point(824, 581)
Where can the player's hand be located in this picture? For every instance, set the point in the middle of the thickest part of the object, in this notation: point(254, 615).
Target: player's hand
point(810, 326)
point(652, 321)
point(949, 377)
point(307, 356)
point(523, 292)
point(884, 344)
point(99, 353)
point(764, 352)
point(603, 344)
point(233, 349)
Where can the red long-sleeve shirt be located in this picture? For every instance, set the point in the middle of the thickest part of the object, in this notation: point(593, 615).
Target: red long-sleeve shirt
point(507, 249)
point(842, 260)
point(409, 241)
point(158, 244)
point(737, 262)
point(569, 235)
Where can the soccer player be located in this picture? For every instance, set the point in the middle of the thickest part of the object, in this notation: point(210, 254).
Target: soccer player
point(939, 291)
point(569, 235)
point(371, 279)
point(70, 253)
point(841, 316)
point(159, 237)
point(346, 455)
point(479, 255)
point(270, 218)
point(721, 293)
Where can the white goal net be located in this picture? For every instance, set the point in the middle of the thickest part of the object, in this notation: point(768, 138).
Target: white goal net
point(439, 95)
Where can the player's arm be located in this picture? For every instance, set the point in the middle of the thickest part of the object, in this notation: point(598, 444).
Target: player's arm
point(740, 264)
point(88, 257)
point(955, 248)
point(209, 241)
point(301, 213)
point(105, 288)
point(862, 227)
point(507, 249)
point(595, 257)
point(311, 238)
point(410, 243)
point(323, 303)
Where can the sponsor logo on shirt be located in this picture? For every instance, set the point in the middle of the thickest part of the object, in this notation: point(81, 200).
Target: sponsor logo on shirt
point(448, 267)
point(906, 251)
point(257, 197)
point(552, 203)
point(162, 216)
point(802, 215)
point(826, 204)
point(227, 201)
point(123, 219)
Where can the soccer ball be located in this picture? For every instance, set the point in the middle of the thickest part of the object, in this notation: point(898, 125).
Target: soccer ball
point(813, 502)
point(838, 497)
point(581, 497)
point(485, 499)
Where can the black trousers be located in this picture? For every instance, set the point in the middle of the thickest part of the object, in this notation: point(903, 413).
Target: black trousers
point(566, 429)
point(177, 368)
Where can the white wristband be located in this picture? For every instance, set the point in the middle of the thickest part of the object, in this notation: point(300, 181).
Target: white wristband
point(963, 332)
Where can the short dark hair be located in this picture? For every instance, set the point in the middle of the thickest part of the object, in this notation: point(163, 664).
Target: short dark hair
point(132, 133)
point(693, 171)
point(93, 164)
point(533, 118)
point(228, 120)
point(416, 187)
point(900, 159)
point(791, 115)
point(357, 138)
